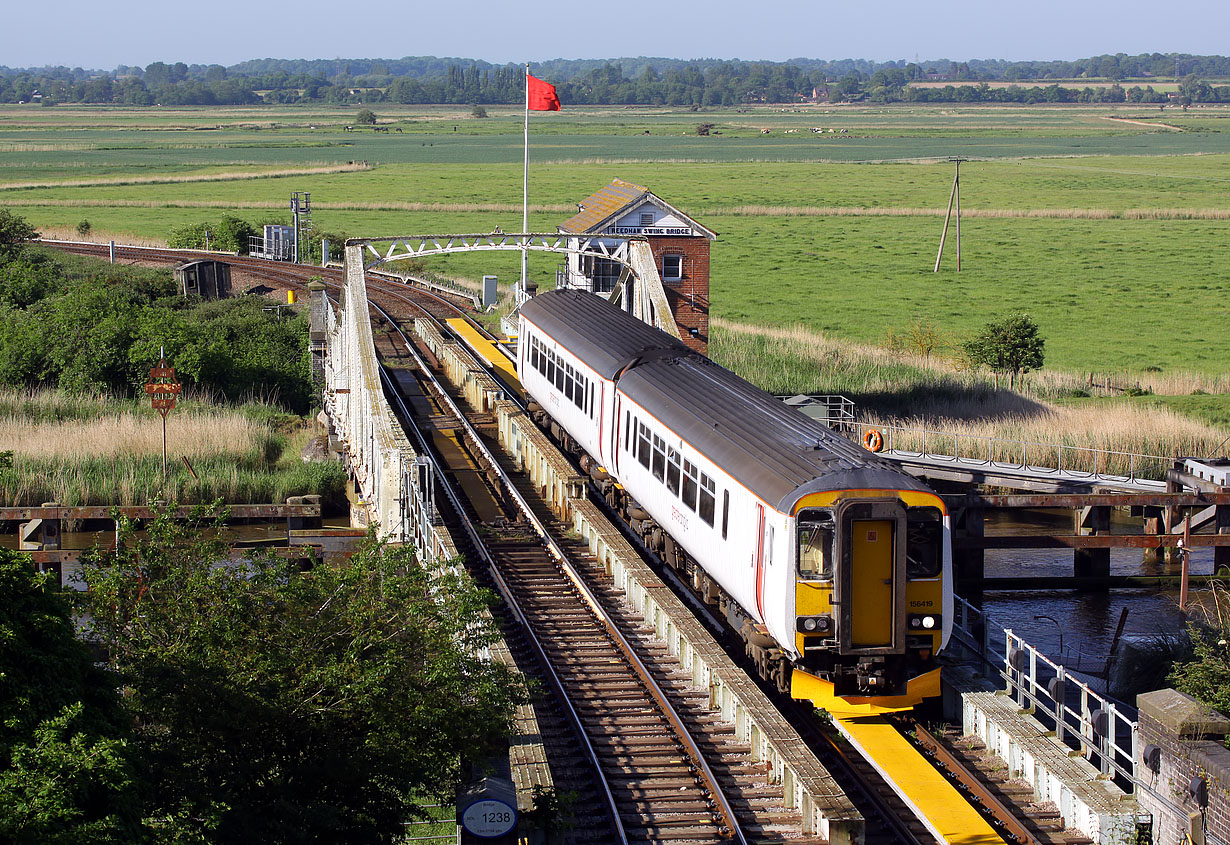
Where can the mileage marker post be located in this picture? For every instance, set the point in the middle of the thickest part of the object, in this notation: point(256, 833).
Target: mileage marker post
point(163, 391)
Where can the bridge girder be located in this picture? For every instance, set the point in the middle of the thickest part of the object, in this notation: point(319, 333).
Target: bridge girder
point(387, 250)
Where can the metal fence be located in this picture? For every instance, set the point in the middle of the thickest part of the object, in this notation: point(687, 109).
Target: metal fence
point(1024, 455)
point(1101, 730)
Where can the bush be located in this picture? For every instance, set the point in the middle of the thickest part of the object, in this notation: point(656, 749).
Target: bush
point(366, 117)
point(230, 234)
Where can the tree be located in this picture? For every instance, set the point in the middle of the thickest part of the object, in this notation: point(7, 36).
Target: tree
point(366, 117)
point(66, 773)
point(14, 232)
point(478, 111)
point(278, 704)
point(1011, 346)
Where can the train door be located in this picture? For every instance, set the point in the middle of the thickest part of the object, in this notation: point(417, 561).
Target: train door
point(761, 552)
point(873, 577)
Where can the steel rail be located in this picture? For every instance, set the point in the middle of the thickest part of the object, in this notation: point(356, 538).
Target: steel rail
point(506, 593)
point(690, 747)
point(1000, 811)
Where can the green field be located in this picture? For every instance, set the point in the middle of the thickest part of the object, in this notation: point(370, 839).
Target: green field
point(1111, 226)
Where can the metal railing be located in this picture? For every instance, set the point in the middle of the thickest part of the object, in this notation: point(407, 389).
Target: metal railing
point(1078, 462)
point(1101, 730)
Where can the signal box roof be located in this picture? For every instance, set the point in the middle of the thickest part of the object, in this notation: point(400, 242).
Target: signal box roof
point(602, 209)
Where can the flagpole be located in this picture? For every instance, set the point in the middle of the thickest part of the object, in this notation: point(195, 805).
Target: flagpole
point(525, 186)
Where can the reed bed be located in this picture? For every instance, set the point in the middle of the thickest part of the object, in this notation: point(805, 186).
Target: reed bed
point(946, 410)
point(97, 450)
point(98, 236)
point(1118, 440)
point(223, 176)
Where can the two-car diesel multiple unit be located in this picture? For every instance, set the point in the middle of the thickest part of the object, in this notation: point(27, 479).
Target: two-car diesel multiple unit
point(833, 566)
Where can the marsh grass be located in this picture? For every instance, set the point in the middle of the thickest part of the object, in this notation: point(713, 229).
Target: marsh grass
point(947, 410)
point(81, 450)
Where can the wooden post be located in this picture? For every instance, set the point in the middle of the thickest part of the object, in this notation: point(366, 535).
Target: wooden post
point(956, 185)
point(954, 196)
point(943, 235)
point(1185, 573)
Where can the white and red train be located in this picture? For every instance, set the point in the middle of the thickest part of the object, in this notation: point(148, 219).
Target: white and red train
point(833, 565)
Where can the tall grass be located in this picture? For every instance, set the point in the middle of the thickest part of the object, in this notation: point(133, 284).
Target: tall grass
point(98, 236)
point(931, 394)
point(97, 450)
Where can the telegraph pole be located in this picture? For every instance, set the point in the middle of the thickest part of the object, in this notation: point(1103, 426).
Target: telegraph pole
point(955, 196)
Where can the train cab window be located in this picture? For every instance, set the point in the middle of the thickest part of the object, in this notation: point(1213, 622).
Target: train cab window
point(708, 498)
point(815, 545)
point(725, 512)
point(924, 546)
point(672, 471)
point(659, 458)
point(690, 478)
point(643, 451)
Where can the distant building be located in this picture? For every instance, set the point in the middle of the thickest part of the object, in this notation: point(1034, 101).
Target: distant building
point(679, 243)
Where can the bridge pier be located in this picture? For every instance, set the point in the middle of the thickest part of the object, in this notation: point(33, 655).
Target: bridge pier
point(1221, 554)
point(969, 563)
point(1092, 563)
point(1154, 524)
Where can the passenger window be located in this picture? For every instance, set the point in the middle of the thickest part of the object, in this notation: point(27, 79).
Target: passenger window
point(672, 471)
point(708, 492)
point(924, 543)
point(815, 547)
point(643, 452)
point(659, 458)
point(689, 484)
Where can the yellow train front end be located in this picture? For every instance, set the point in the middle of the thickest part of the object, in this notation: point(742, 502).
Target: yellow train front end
point(872, 597)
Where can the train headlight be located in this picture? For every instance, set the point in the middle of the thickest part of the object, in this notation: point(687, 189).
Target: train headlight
point(923, 621)
point(814, 624)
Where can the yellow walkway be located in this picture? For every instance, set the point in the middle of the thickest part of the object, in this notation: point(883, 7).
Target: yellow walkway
point(481, 346)
point(949, 816)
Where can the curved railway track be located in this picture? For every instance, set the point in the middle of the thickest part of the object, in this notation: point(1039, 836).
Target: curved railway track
point(629, 754)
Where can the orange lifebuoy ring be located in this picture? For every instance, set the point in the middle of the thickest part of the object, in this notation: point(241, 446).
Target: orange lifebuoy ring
point(873, 440)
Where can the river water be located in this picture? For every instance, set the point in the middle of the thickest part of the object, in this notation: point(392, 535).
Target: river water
point(1085, 621)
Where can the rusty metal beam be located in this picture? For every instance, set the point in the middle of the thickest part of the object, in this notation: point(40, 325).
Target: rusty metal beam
point(1083, 500)
point(1094, 541)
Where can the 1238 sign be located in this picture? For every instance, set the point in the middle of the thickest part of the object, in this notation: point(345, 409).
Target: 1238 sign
point(489, 818)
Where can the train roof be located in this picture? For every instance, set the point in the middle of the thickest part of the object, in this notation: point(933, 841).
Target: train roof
point(598, 333)
point(778, 452)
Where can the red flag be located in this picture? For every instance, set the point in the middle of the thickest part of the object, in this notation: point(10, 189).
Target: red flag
point(541, 95)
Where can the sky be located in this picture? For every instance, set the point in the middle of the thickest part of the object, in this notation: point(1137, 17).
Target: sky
point(96, 34)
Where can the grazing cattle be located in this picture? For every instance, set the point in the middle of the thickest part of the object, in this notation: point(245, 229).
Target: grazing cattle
point(765, 131)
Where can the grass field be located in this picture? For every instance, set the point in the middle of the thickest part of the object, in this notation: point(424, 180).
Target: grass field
point(1109, 225)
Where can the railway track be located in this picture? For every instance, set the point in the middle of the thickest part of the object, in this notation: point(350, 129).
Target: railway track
point(642, 768)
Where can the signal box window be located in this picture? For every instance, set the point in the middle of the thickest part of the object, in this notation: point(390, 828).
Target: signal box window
point(672, 268)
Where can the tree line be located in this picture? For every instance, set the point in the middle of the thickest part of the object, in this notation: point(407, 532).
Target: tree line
point(636, 81)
